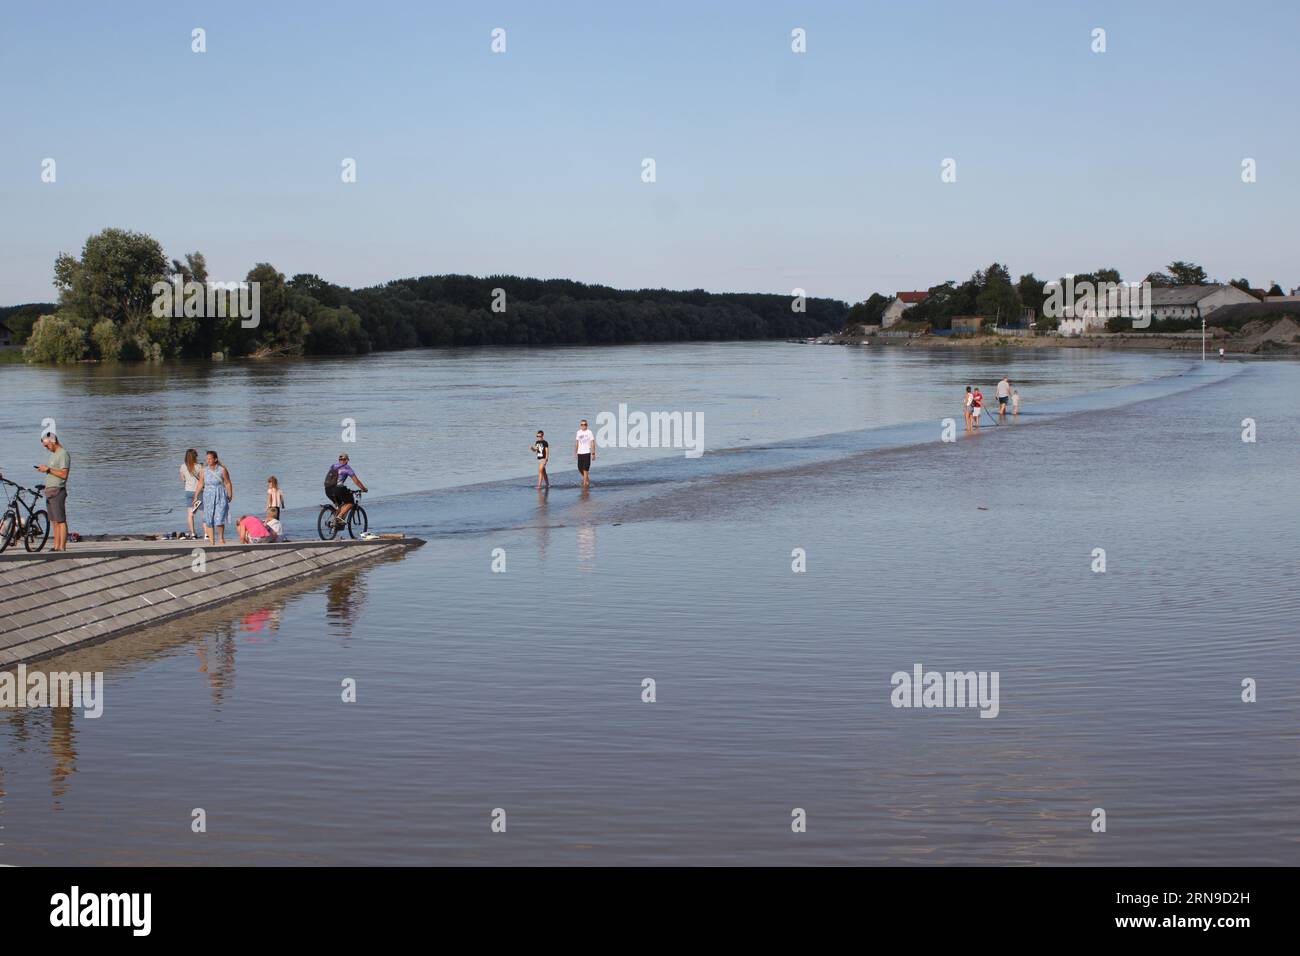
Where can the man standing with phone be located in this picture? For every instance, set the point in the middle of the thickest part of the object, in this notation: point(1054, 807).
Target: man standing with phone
point(56, 488)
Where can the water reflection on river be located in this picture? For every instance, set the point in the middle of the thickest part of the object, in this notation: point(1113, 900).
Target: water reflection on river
point(522, 689)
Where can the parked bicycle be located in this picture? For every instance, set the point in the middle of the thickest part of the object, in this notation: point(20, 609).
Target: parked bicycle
point(34, 529)
point(328, 523)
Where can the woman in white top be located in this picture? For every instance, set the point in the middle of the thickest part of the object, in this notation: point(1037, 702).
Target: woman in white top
point(190, 476)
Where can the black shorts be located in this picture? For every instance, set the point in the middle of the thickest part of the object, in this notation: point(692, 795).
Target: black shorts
point(1002, 401)
point(340, 494)
point(584, 462)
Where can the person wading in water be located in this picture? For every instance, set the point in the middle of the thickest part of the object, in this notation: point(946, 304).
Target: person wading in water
point(584, 449)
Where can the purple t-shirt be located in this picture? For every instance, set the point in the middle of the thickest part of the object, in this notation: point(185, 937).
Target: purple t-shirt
point(344, 472)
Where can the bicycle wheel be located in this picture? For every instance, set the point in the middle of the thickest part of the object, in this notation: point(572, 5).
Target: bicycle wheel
point(325, 526)
point(358, 523)
point(37, 532)
point(7, 525)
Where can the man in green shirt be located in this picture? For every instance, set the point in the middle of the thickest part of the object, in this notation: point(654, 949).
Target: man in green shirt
point(56, 488)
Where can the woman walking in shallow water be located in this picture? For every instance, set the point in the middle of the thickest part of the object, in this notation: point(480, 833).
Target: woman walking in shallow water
point(215, 491)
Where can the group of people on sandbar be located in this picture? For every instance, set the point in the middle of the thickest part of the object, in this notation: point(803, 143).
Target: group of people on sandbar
point(973, 406)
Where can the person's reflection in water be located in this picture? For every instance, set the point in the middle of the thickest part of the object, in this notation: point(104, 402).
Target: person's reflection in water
point(343, 599)
point(63, 750)
point(17, 718)
point(586, 533)
point(543, 520)
point(221, 667)
point(25, 726)
point(262, 624)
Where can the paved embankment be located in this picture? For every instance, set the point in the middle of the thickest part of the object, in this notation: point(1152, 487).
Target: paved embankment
point(50, 603)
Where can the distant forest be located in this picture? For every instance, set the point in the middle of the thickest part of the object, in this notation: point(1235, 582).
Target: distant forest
point(105, 311)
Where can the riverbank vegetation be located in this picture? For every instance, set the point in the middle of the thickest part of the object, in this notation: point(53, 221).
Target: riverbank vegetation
point(991, 294)
point(988, 292)
point(106, 310)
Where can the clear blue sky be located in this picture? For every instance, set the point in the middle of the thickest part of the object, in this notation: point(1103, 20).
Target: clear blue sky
point(775, 170)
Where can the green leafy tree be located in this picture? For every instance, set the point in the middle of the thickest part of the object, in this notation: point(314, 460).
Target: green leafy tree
point(1032, 292)
point(55, 338)
point(189, 334)
point(996, 273)
point(997, 298)
point(107, 339)
point(336, 332)
point(193, 269)
point(1187, 273)
point(114, 277)
point(316, 287)
point(282, 323)
point(869, 312)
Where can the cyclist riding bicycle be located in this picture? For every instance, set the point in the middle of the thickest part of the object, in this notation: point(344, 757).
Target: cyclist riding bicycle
point(337, 490)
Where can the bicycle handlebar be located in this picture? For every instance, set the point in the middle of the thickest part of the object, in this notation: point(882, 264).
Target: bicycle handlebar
point(14, 484)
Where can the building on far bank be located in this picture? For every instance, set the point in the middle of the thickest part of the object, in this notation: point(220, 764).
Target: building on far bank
point(1194, 301)
point(966, 324)
point(899, 304)
point(1090, 322)
point(1183, 302)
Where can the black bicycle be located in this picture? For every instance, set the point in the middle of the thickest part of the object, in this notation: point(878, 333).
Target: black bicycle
point(328, 524)
point(34, 529)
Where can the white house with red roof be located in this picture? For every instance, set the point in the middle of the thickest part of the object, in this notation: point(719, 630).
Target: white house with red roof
point(899, 304)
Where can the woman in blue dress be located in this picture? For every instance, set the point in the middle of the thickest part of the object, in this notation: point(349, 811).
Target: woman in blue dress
point(215, 492)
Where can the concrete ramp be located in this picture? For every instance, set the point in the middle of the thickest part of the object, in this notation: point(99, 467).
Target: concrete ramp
point(51, 603)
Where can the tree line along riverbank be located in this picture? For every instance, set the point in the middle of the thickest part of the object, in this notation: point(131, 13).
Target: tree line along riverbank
point(107, 310)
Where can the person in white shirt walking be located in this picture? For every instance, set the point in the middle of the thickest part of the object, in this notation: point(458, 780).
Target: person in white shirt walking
point(584, 449)
point(1004, 396)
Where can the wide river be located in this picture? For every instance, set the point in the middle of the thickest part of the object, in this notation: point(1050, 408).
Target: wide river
point(504, 665)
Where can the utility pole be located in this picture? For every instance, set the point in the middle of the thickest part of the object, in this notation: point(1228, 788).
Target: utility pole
point(1202, 334)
